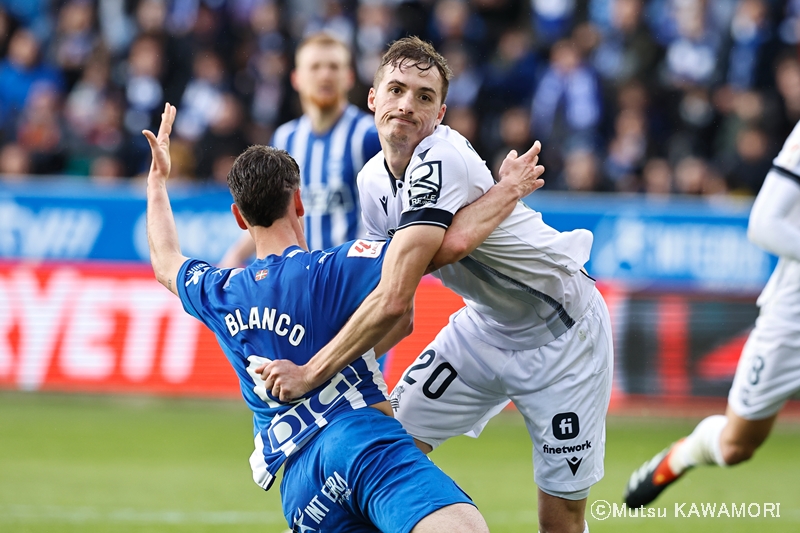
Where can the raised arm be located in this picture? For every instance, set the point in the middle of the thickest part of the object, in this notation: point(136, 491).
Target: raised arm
point(773, 219)
point(770, 227)
point(519, 177)
point(162, 235)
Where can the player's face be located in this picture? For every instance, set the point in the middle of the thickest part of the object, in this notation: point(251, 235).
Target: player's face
point(408, 105)
point(322, 75)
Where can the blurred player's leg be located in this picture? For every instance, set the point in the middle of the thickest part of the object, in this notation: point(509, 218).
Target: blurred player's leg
point(460, 517)
point(559, 515)
point(768, 373)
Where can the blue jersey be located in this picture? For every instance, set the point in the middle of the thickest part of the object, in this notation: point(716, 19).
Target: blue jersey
point(328, 165)
point(288, 307)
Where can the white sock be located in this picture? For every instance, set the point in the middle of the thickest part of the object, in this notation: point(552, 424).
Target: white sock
point(702, 447)
point(586, 527)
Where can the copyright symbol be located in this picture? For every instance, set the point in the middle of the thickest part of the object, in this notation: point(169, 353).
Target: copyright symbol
point(600, 510)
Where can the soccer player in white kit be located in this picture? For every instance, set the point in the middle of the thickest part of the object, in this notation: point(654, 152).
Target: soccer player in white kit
point(534, 331)
point(768, 372)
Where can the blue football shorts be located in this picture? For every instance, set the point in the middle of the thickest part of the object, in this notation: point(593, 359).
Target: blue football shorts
point(363, 474)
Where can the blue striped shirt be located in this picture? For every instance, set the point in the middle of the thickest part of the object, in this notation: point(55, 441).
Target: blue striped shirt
point(329, 164)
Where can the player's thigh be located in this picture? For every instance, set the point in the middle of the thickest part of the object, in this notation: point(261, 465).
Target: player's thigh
point(459, 517)
point(364, 473)
point(565, 412)
point(449, 390)
point(768, 372)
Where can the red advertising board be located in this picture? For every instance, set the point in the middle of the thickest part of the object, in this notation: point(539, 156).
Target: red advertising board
point(110, 327)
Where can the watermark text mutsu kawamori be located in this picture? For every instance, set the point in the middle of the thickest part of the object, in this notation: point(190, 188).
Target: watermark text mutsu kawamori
point(603, 510)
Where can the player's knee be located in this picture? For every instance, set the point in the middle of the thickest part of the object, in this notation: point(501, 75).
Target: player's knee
point(737, 452)
point(461, 517)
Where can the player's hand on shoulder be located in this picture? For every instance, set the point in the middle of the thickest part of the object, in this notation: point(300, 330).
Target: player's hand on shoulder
point(159, 146)
point(522, 172)
point(284, 379)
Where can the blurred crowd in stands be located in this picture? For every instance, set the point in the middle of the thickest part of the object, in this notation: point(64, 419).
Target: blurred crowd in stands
point(657, 96)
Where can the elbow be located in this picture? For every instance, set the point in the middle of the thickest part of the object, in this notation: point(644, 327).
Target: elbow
point(756, 228)
point(453, 249)
point(396, 305)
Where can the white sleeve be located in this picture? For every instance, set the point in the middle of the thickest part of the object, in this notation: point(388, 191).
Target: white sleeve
point(770, 226)
point(438, 187)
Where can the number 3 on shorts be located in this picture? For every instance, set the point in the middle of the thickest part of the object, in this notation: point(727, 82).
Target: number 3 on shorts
point(424, 361)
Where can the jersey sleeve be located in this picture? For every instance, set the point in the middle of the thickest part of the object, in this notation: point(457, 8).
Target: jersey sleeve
point(191, 282)
point(438, 187)
point(345, 278)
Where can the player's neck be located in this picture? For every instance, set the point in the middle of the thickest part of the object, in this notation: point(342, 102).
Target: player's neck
point(397, 160)
point(323, 119)
point(274, 240)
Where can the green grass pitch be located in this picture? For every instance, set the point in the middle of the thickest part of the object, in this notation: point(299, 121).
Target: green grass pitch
point(85, 464)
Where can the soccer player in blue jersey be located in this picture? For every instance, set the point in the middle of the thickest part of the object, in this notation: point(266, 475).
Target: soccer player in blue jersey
point(331, 141)
point(348, 465)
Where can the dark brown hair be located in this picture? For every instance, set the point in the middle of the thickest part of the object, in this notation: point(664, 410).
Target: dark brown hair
point(262, 182)
point(414, 52)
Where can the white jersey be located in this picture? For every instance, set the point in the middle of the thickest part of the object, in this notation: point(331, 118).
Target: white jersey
point(524, 286)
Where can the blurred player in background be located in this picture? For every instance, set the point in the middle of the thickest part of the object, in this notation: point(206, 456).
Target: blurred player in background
point(535, 330)
point(768, 372)
point(347, 468)
point(331, 141)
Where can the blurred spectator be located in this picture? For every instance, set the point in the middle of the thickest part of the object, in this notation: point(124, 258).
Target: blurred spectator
point(7, 28)
point(466, 80)
point(222, 140)
point(657, 177)
point(20, 70)
point(567, 105)
point(202, 98)
point(751, 161)
point(454, 20)
point(15, 162)
point(107, 169)
point(143, 90)
point(627, 150)
point(376, 28)
point(510, 75)
point(41, 131)
point(691, 58)
point(747, 59)
point(551, 19)
point(75, 39)
point(582, 173)
point(515, 134)
point(465, 121)
point(787, 81)
point(626, 50)
point(694, 176)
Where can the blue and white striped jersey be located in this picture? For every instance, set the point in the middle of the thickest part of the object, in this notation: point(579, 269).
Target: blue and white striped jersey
point(329, 164)
point(288, 307)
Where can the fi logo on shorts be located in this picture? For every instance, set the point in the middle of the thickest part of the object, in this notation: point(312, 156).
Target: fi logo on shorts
point(566, 426)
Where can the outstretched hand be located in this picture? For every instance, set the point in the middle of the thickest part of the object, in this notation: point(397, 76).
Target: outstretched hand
point(522, 172)
point(284, 379)
point(159, 146)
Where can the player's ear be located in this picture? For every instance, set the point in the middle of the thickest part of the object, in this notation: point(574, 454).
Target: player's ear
point(440, 116)
point(238, 216)
point(298, 204)
point(293, 80)
point(371, 99)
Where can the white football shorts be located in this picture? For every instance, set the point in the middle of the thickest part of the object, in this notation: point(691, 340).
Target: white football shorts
point(768, 372)
point(562, 390)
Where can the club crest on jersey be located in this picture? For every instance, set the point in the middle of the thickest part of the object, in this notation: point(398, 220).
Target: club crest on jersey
point(426, 184)
point(369, 249)
point(261, 274)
